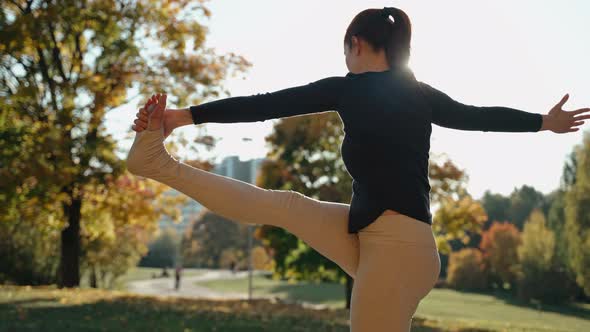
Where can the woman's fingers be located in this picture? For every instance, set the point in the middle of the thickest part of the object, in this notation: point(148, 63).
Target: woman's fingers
point(563, 100)
point(140, 123)
point(142, 114)
point(581, 117)
point(581, 110)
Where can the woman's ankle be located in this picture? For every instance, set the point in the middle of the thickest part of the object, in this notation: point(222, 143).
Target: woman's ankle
point(147, 153)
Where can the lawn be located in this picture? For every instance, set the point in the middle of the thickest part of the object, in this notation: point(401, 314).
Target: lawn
point(449, 308)
point(329, 294)
point(50, 309)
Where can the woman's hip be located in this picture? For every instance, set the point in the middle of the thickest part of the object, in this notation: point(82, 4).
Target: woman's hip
point(398, 229)
point(398, 258)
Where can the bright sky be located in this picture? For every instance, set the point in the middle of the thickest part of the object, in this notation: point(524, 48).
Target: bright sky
point(518, 54)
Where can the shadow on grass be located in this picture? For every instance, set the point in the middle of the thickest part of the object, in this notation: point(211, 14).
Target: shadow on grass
point(103, 311)
point(310, 292)
point(148, 314)
point(568, 309)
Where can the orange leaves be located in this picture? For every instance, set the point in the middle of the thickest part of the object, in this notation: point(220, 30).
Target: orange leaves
point(499, 245)
point(466, 270)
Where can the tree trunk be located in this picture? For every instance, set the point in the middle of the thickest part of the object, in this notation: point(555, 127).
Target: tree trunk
point(70, 244)
point(93, 281)
point(349, 284)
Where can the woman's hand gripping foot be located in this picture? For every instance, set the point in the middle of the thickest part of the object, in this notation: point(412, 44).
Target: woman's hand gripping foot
point(148, 157)
point(171, 118)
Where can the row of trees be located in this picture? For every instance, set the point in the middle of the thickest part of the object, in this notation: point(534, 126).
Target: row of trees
point(211, 241)
point(546, 256)
point(524, 262)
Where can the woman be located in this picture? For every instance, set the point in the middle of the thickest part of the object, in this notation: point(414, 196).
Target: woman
point(383, 239)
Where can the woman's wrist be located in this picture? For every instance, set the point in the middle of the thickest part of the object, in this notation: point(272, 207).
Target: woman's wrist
point(546, 122)
point(182, 116)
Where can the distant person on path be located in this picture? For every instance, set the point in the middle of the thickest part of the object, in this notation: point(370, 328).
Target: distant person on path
point(177, 275)
point(232, 266)
point(383, 238)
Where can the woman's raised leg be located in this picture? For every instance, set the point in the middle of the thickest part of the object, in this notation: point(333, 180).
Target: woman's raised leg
point(320, 224)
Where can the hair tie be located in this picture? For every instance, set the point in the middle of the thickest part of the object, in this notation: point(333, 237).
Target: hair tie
point(386, 12)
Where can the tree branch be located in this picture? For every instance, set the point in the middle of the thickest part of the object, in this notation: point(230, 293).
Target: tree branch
point(45, 73)
point(18, 6)
point(56, 52)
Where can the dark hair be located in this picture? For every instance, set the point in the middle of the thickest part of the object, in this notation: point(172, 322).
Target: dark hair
point(376, 27)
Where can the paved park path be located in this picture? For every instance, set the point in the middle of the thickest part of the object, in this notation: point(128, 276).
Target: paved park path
point(189, 288)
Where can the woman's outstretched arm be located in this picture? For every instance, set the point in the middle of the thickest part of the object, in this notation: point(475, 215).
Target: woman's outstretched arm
point(319, 96)
point(447, 112)
point(314, 97)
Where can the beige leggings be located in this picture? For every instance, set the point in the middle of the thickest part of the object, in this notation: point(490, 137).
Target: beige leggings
point(394, 261)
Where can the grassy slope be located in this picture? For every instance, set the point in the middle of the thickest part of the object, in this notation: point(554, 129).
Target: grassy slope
point(451, 308)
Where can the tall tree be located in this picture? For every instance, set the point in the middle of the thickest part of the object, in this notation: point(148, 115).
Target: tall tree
point(522, 202)
point(208, 236)
point(577, 216)
point(459, 217)
point(499, 247)
point(65, 64)
point(118, 220)
point(556, 219)
point(538, 266)
point(497, 207)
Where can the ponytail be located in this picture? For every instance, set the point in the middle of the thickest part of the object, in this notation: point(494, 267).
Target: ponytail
point(397, 49)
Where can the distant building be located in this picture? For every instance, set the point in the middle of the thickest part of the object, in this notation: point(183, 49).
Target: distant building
point(232, 167)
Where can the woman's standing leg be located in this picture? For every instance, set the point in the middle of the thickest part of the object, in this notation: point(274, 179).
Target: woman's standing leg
point(398, 266)
point(320, 224)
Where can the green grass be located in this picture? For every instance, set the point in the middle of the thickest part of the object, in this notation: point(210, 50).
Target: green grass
point(450, 308)
point(501, 312)
point(329, 294)
point(50, 309)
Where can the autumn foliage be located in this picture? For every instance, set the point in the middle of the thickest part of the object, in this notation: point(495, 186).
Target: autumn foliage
point(499, 248)
point(466, 270)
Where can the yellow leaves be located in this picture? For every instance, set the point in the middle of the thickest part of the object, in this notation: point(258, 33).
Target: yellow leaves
point(455, 217)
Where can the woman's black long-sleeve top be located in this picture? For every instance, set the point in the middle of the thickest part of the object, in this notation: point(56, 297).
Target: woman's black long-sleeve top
point(387, 119)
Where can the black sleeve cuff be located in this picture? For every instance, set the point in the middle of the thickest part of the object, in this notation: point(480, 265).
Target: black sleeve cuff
point(540, 122)
point(197, 119)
